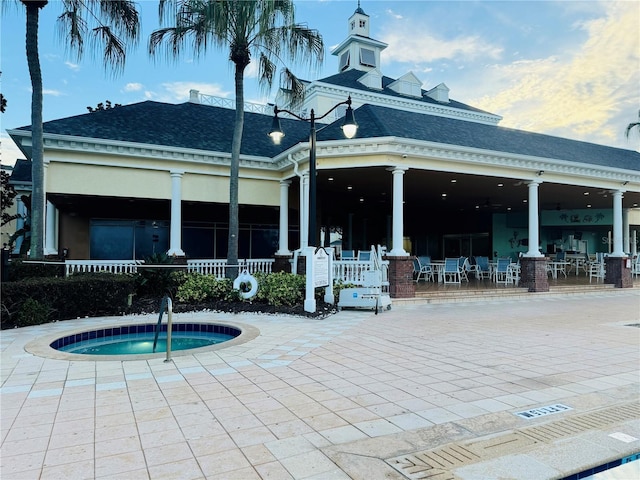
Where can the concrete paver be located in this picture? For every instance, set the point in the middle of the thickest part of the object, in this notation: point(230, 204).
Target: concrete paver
point(335, 398)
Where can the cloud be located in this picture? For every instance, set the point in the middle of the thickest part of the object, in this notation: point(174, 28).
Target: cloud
point(411, 43)
point(393, 14)
point(9, 152)
point(581, 95)
point(52, 93)
point(133, 87)
point(72, 66)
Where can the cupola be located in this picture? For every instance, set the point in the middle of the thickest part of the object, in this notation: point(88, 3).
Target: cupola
point(359, 51)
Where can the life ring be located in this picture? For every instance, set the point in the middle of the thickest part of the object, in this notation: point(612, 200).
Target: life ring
point(245, 277)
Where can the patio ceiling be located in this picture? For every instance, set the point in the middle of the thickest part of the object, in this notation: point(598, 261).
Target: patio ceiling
point(453, 192)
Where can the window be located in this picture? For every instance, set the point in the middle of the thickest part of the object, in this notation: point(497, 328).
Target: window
point(353, 25)
point(367, 57)
point(344, 61)
point(362, 23)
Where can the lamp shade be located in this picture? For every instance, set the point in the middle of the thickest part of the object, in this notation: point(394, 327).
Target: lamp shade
point(276, 132)
point(349, 126)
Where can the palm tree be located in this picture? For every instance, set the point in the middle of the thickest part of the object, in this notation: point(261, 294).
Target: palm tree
point(265, 28)
point(632, 125)
point(113, 22)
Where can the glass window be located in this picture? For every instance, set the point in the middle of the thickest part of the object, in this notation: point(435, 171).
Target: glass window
point(367, 57)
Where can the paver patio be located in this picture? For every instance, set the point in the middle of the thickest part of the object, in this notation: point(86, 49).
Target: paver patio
point(352, 396)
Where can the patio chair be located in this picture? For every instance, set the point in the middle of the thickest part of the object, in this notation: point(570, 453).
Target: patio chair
point(422, 265)
point(597, 268)
point(482, 269)
point(465, 268)
point(364, 255)
point(513, 273)
point(347, 255)
point(635, 267)
point(501, 273)
point(451, 271)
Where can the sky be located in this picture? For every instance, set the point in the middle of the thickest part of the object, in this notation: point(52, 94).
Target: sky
point(565, 68)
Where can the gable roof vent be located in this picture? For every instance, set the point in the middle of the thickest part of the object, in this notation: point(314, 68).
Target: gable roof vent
point(408, 84)
point(372, 79)
point(439, 93)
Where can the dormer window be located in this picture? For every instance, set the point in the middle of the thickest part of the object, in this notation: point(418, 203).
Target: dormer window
point(344, 61)
point(367, 57)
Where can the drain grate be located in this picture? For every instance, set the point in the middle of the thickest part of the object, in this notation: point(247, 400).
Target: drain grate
point(434, 464)
point(542, 411)
point(582, 423)
point(437, 464)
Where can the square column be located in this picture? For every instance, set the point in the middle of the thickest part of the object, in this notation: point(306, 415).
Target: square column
point(533, 274)
point(401, 284)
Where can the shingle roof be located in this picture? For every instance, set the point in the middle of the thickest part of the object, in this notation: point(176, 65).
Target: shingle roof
point(349, 79)
point(377, 121)
point(204, 127)
point(21, 172)
point(186, 125)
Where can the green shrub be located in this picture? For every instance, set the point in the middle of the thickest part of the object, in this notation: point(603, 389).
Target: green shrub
point(32, 312)
point(280, 289)
point(157, 282)
point(198, 288)
point(19, 269)
point(85, 295)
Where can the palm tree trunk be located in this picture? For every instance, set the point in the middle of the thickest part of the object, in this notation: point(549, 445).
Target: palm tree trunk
point(37, 147)
point(234, 221)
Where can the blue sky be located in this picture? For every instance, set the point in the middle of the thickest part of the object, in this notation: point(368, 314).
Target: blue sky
point(565, 68)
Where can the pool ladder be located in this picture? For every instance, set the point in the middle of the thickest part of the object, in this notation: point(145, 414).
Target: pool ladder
point(165, 305)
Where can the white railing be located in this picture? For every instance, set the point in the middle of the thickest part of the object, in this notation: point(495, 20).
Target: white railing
point(345, 271)
point(217, 267)
point(353, 271)
point(92, 266)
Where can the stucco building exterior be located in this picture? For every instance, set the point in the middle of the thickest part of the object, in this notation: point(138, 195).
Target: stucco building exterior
point(425, 174)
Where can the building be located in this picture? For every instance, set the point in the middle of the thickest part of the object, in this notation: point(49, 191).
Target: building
point(425, 174)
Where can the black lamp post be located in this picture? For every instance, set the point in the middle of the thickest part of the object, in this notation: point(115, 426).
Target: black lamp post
point(349, 128)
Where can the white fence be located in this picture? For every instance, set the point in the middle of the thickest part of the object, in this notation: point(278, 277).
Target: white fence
point(92, 266)
point(345, 271)
point(218, 267)
point(207, 267)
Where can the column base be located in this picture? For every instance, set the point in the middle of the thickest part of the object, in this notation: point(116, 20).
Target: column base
point(618, 271)
point(401, 284)
point(282, 263)
point(533, 274)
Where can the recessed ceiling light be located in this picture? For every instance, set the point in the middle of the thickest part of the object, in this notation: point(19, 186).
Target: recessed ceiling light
point(525, 200)
point(501, 184)
point(361, 199)
point(586, 193)
point(477, 206)
point(454, 180)
point(349, 187)
point(330, 179)
point(444, 194)
point(635, 205)
point(508, 209)
point(588, 205)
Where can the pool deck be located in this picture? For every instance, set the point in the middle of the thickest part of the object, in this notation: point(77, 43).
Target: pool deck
point(422, 389)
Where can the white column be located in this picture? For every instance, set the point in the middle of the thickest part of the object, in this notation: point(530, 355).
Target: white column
point(634, 243)
point(50, 230)
point(398, 213)
point(304, 210)
point(617, 224)
point(534, 224)
point(175, 236)
point(625, 231)
point(283, 240)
